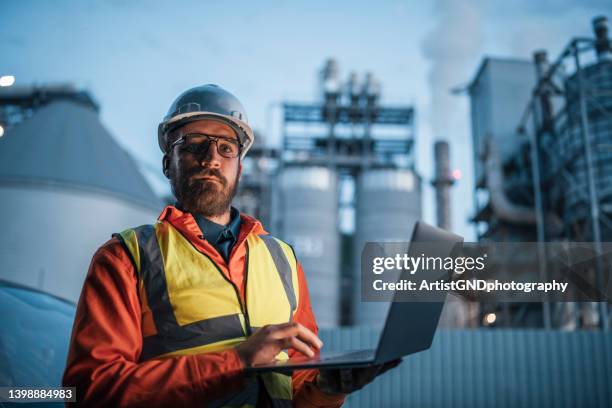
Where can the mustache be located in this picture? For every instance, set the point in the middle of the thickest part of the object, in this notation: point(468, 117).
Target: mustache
point(206, 173)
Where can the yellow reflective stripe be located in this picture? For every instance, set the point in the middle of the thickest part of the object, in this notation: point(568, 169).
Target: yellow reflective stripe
point(283, 268)
point(195, 280)
point(290, 254)
point(153, 276)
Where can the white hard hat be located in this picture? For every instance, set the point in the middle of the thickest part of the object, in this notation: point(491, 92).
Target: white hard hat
point(207, 102)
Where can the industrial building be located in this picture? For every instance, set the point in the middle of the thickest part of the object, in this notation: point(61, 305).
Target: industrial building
point(65, 183)
point(346, 176)
point(541, 135)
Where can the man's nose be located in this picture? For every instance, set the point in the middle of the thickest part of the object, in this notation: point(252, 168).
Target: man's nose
point(212, 158)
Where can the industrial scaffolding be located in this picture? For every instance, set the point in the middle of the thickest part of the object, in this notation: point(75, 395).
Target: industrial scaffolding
point(341, 136)
point(345, 130)
point(568, 125)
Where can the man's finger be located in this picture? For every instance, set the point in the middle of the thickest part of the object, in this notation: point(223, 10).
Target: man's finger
point(298, 345)
point(281, 327)
point(297, 330)
point(309, 337)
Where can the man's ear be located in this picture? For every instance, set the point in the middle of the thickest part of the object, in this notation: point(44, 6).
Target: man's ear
point(166, 166)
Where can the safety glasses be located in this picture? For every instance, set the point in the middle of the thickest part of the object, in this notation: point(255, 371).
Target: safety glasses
point(198, 144)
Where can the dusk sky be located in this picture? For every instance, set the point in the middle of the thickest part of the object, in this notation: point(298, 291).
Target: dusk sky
point(135, 57)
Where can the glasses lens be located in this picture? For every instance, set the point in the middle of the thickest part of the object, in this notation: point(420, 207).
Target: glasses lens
point(195, 148)
point(227, 148)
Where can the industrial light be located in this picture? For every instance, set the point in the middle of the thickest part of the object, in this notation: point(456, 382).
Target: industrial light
point(457, 174)
point(7, 80)
point(1, 130)
point(490, 318)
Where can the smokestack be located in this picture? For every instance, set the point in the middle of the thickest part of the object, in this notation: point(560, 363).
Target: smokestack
point(330, 88)
point(602, 42)
point(353, 90)
point(442, 183)
point(330, 79)
point(371, 90)
point(542, 66)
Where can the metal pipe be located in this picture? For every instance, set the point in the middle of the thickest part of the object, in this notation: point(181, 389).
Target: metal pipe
point(539, 211)
point(594, 204)
point(544, 92)
point(502, 206)
point(370, 93)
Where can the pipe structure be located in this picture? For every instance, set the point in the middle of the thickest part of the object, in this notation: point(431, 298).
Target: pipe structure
point(593, 199)
point(541, 123)
point(331, 94)
point(442, 183)
point(502, 206)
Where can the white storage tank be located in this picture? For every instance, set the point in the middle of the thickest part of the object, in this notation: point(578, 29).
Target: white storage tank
point(388, 205)
point(65, 187)
point(309, 200)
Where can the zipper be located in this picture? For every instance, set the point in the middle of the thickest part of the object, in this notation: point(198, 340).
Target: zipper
point(246, 279)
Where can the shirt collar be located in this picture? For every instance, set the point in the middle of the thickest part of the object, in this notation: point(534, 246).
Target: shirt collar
point(214, 232)
point(186, 223)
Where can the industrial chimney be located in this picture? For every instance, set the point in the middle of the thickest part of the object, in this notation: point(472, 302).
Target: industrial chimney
point(442, 183)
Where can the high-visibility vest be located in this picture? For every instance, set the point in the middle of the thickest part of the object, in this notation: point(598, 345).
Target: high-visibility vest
point(189, 306)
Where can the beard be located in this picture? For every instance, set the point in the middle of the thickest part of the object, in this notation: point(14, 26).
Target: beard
point(206, 197)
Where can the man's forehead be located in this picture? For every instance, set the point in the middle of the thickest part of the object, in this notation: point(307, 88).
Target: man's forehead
point(210, 127)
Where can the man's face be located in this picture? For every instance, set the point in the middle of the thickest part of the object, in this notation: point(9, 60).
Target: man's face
point(205, 182)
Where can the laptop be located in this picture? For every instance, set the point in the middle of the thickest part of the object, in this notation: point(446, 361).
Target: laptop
point(409, 326)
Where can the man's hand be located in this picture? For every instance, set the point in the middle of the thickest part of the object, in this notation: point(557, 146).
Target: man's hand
point(346, 381)
point(268, 341)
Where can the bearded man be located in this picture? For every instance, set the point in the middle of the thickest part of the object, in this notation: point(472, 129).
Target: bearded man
point(172, 314)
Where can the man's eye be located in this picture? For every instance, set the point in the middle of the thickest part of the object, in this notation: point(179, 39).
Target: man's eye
point(192, 148)
point(226, 147)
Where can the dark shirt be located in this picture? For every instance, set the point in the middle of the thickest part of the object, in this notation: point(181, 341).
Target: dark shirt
point(221, 237)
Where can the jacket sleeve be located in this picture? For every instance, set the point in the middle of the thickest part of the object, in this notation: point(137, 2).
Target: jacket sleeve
point(305, 391)
point(106, 342)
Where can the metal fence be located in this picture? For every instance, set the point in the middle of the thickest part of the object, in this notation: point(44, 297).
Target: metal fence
point(490, 368)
